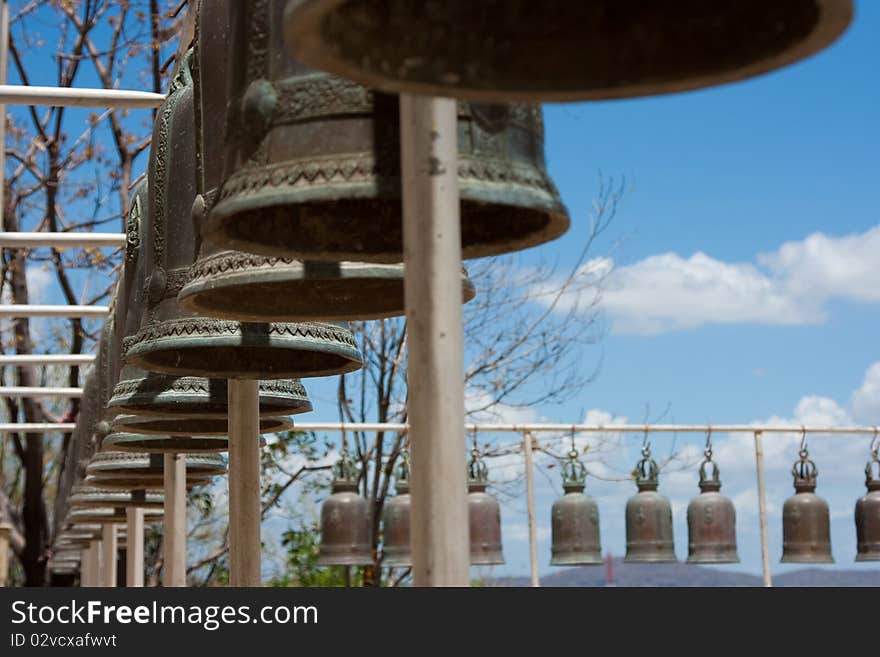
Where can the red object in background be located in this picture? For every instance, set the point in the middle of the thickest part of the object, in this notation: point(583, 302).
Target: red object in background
point(69, 416)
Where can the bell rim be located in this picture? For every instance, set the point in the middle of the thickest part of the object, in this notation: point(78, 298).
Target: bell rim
point(487, 560)
point(145, 483)
point(868, 557)
point(709, 559)
point(799, 559)
point(165, 426)
point(302, 36)
point(171, 445)
point(576, 561)
point(646, 559)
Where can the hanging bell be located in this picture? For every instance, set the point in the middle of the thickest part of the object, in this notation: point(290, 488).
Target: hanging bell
point(175, 342)
point(346, 523)
point(86, 497)
point(711, 520)
point(189, 412)
point(396, 552)
point(806, 528)
point(575, 520)
point(312, 166)
point(484, 515)
point(146, 471)
point(107, 515)
point(557, 50)
point(868, 514)
point(648, 517)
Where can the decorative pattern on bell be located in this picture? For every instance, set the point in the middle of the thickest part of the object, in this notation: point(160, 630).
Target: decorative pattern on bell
point(346, 522)
point(138, 471)
point(528, 50)
point(313, 163)
point(711, 519)
point(868, 512)
point(574, 520)
point(806, 529)
point(108, 515)
point(84, 497)
point(178, 407)
point(484, 515)
point(648, 517)
point(396, 551)
point(172, 341)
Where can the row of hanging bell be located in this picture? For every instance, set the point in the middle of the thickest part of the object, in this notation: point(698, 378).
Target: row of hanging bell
point(311, 170)
point(557, 50)
point(172, 341)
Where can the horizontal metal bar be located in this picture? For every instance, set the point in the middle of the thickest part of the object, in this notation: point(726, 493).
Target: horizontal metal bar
point(71, 97)
point(596, 428)
point(37, 427)
point(61, 240)
point(27, 310)
point(46, 359)
point(35, 391)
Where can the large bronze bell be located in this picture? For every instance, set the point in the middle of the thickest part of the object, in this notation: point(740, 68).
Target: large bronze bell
point(172, 341)
point(557, 50)
point(396, 551)
point(868, 513)
point(484, 515)
point(138, 471)
point(313, 162)
point(806, 525)
point(711, 520)
point(84, 497)
point(346, 522)
point(574, 520)
point(648, 517)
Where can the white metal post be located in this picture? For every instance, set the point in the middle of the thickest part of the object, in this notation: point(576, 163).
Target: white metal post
point(109, 555)
point(530, 505)
point(134, 558)
point(174, 537)
point(762, 510)
point(435, 375)
point(244, 484)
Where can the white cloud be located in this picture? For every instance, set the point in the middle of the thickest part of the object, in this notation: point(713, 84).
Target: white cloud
point(790, 286)
point(866, 400)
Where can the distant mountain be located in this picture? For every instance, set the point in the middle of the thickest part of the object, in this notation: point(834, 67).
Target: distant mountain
point(682, 574)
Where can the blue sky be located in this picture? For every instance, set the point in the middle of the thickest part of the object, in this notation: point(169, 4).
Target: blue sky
point(743, 288)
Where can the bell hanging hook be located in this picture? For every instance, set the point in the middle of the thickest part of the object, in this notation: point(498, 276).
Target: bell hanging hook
point(875, 444)
point(708, 451)
point(573, 452)
point(803, 453)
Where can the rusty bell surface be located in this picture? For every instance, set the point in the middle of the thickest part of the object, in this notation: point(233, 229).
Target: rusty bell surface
point(396, 552)
point(868, 514)
point(172, 341)
point(313, 162)
point(557, 50)
point(346, 522)
point(648, 518)
point(806, 530)
point(711, 520)
point(484, 516)
point(575, 520)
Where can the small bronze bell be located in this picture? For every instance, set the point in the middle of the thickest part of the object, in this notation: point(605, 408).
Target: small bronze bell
point(313, 162)
point(146, 471)
point(648, 517)
point(557, 50)
point(396, 551)
point(346, 525)
point(484, 515)
point(806, 529)
point(171, 341)
point(868, 513)
point(711, 519)
point(575, 520)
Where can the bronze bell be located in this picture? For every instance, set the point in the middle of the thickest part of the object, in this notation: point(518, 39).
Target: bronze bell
point(346, 522)
point(648, 517)
point(711, 520)
point(868, 513)
point(141, 471)
point(188, 412)
point(557, 50)
point(484, 515)
point(313, 162)
point(806, 528)
point(175, 342)
point(396, 551)
point(575, 520)
point(83, 496)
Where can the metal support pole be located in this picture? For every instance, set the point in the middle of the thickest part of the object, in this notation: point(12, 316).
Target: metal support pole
point(109, 555)
point(435, 375)
point(762, 510)
point(244, 484)
point(174, 538)
point(530, 504)
point(134, 557)
point(5, 531)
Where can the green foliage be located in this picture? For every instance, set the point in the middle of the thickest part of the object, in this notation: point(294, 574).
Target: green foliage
point(301, 564)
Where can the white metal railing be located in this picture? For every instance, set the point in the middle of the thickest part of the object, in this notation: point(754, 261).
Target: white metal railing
point(37, 427)
point(67, 97)
point(61, 240)
point(19, 360)
point(35, 391)
point(28, 310)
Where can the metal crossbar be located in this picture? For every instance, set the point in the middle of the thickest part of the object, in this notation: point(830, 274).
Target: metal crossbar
point(27, 310)
point(61, 240)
